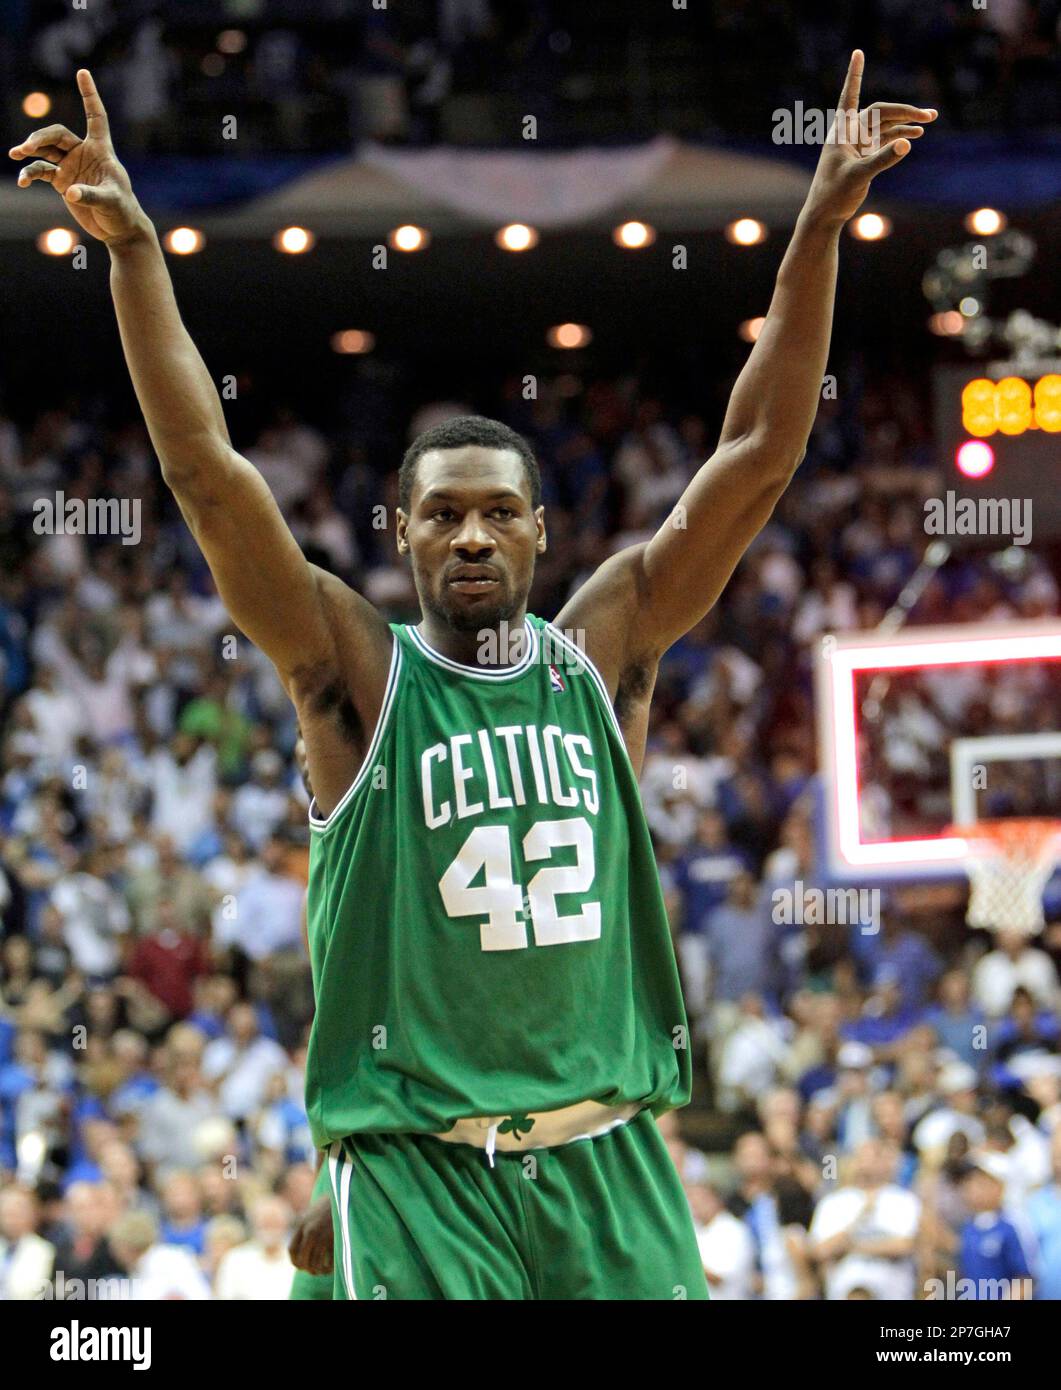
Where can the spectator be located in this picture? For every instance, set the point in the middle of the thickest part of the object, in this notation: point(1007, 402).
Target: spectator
point(259, 805)
point(169, 1120)
point(26, 1259)
point(1014, 962)
point(703, 876)
point(268, 909)
point(242, 1064)
point(261, 1268)
point(1044, 1219)
point(991, 1254)
point(158, 1271)
point(863, 1234)
point(726, 1247)
point(182, 1207)
point(958, 1023)
point(957, 1112)
point(82, 1251)
point(169, 960)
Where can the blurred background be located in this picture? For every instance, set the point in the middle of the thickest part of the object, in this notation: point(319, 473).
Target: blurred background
point(568, 217)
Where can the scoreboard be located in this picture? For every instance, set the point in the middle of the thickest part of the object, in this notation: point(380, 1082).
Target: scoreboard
point(998, 436)
point(1012, 405)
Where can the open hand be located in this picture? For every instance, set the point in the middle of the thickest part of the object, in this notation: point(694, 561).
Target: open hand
point(861, 145)
point(84, 172)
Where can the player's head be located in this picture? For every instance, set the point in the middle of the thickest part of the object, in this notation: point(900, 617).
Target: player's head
point(471, 520)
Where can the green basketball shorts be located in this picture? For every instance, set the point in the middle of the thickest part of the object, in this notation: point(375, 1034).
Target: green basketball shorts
point(597, 1218)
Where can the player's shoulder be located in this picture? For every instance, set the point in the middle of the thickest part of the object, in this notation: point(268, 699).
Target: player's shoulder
point(602, 613)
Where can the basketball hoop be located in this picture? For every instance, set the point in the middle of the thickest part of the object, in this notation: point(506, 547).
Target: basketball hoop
point(1009, 865)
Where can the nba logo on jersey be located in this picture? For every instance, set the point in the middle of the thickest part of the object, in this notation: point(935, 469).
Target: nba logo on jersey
point(556, 680)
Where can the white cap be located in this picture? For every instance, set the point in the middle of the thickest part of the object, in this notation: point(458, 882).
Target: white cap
point(955, 1077)
point(854, 1056)
point(992, 1163)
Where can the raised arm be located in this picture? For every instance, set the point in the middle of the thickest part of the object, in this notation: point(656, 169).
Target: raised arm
point(651, 595)
point(316, 631)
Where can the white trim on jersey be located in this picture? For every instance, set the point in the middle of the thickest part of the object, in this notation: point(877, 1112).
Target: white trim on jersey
point(322, 823)
point(581, 659)
point(500, 673)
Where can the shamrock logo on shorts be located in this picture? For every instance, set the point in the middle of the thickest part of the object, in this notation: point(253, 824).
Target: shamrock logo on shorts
point(515, 1123)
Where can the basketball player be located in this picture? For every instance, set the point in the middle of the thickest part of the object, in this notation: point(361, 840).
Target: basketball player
point(499, 1017)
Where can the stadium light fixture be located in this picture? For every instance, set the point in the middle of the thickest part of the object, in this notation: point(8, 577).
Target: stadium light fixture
point(57, 241)
point(516, 236)
point(184, 241)
point(986, 222)
point(36, 105)
point(569, 335)
point(746, 231)
point(632, 236)
point(293, 241)
point(353, 341)
point(408, 237)
point(871, 226)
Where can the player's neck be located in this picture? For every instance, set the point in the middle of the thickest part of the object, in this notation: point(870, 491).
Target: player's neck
point(493, 647)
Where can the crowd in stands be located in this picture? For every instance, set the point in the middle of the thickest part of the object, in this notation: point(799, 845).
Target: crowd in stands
point(321, 75)
point(890, 1102)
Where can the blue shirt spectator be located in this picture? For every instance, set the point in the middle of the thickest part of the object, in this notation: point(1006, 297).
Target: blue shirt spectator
point(740, 943)
point(704, 873)
point(990, 1250)
point(1044, 1220)
point(957, 1021)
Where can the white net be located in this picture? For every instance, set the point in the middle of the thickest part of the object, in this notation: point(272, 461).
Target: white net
point(1009, 865)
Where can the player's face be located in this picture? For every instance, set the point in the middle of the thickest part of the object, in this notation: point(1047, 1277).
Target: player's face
point(472, 535)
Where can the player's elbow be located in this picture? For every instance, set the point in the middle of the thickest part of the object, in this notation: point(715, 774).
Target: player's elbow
point(775, 459)
point(193, 466)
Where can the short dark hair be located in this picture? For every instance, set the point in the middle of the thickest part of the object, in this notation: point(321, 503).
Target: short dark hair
point(456, 434)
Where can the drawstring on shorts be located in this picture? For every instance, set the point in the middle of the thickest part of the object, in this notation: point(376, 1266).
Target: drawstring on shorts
point(491, 1142)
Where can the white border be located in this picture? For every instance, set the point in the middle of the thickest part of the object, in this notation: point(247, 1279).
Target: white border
point(320, 824)
point(993, 748)
point(483, 673)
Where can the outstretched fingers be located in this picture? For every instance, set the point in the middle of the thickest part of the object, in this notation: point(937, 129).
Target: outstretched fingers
point(853, 81)
point(95, 112)
point(902, 111)
point(875, 163)
point(51, 142)
point(39, 171)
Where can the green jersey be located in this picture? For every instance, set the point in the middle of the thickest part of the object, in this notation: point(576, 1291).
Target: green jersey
point(487, 930)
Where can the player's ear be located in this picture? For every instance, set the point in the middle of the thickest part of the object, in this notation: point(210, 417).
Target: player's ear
point(401, 528)
point(539, 521)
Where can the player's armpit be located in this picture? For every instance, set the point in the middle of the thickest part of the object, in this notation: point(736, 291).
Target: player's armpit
point(598, 616)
